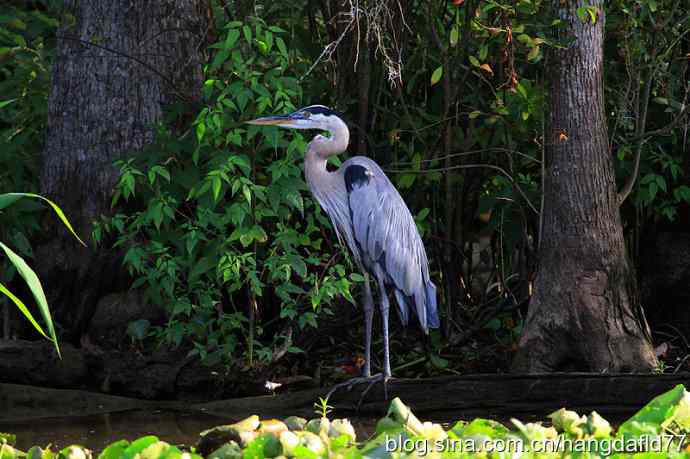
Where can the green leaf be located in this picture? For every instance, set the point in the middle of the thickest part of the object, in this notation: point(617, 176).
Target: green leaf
point(216, 183)
point(200, 131)
point(454, 35)
point(204, 265)
point(521, 90)
point(483, 52)
point(652, 190)
point(5, 103)
point(231, 39)
point(524, 38)
point(682, 193)
point(474, 61)
point(137, 446)
point(438, 362)
point(281, 47)
point(220, 58)
point(406, 181)
point(8, 438)
point(34, 285)
point(587, 12)
point(661, 181)
point(593, 14)
point(648, 179)
point(356, 277)
point(8, 199)
point(263, 47)
point(247, 194)
point(436, 76)
point(247, 31)
point(654, 415)
point(22, 307)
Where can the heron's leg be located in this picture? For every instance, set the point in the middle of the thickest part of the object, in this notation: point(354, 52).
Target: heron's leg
point(385, 307)
point(368, 321)
point(366, 377)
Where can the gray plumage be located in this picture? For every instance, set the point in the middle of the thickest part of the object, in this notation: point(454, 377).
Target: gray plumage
point(371, 218)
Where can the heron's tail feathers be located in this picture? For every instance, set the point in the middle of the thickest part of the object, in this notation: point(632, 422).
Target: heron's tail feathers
point(423, 302)
point(431, 306)
point(403, 306)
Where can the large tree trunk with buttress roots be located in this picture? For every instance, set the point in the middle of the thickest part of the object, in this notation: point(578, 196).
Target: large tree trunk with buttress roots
point(585, 312)
point(118, 63)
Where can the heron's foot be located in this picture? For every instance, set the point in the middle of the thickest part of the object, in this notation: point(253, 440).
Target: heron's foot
point(369, 380)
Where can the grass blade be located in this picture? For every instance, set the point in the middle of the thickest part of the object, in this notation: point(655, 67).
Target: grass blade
point(56, 208)
point(7, 199)
point(34, 284)
point(22, 307)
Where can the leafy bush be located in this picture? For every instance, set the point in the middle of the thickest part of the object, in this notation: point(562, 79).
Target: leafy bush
point(25, 61)
point(198, 241)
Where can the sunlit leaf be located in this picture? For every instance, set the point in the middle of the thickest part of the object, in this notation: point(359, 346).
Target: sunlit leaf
point(436, 75)
point(22, 307)
point(454, 35)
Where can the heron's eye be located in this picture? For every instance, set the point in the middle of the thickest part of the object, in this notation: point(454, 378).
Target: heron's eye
point(306, 114)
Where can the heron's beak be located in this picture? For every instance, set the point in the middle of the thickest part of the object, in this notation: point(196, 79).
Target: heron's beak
point(275, 120)
point(294, 120)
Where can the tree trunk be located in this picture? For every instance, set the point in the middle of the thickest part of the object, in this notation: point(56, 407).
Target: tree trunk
point(585, 312)
point(118, 63)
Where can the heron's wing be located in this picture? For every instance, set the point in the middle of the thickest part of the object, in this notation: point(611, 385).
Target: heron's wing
point(386, 235)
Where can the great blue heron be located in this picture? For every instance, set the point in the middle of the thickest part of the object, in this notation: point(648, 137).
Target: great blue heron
point(369, 215)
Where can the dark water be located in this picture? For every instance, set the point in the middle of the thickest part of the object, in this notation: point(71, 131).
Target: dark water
point(175, 427)
point(97, 431)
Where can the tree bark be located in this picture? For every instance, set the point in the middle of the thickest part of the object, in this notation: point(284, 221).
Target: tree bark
point(118, 63)
point(585, 312)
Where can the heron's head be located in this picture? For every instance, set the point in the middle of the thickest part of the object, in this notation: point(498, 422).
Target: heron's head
point(314, 117)
point(311, 117)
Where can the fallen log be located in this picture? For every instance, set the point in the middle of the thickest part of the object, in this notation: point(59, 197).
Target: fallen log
point(461, 397)
point(20, 402)
point(499, 396)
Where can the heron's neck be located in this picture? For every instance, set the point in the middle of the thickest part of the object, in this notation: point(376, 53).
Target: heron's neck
point(317, 153)
point(318, 177)
point(336, 143)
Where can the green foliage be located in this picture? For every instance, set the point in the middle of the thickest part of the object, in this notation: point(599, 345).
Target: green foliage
point(26, 55)
point(647, 96)
point(198, 242)
point(662, 189)
point(25, 60)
